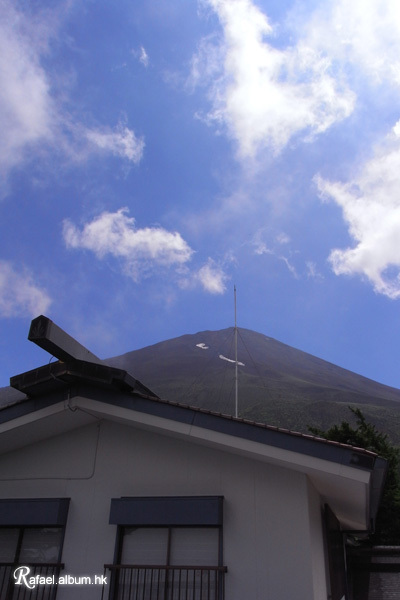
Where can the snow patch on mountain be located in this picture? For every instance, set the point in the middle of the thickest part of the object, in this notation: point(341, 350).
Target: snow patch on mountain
point(230, 360)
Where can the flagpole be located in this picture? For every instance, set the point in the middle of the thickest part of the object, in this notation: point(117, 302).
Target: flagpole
point(236, 360)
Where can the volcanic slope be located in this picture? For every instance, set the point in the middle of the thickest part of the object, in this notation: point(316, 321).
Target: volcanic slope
point(278, 384)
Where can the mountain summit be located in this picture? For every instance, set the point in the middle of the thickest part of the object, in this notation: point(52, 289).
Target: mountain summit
point(278, 384)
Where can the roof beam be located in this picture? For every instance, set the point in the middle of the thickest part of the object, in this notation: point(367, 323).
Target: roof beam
point(57, 342)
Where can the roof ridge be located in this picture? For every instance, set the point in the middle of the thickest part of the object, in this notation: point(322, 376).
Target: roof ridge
point(264, 425)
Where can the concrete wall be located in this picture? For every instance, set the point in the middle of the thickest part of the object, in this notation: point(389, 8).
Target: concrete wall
point(273, 545)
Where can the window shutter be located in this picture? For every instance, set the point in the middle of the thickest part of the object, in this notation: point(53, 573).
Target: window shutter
point(8, 544)
point(41, 545)
point(145, 546)
point(194, 546)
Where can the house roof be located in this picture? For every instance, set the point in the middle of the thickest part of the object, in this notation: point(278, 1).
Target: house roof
point(56, 376)
point(107, 392)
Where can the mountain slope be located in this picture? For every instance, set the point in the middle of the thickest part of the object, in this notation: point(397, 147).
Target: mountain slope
point(277, 383)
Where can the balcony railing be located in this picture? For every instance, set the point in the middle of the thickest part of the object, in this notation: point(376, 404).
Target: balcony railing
point(10, 591)
point(138, 582)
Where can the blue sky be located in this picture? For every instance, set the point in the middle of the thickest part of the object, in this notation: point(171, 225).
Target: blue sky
point(155, 153)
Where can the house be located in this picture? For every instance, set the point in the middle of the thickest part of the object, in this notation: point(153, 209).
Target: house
point(108, 491)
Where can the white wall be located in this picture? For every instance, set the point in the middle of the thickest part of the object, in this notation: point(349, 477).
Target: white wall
point(272, 526)
point(317, 544)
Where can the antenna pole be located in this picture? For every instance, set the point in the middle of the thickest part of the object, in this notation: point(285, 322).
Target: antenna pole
point(236, 360)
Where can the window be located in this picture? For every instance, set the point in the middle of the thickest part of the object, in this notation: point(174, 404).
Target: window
point(27, 545)
point(182, 560)
point(31, 534)
point(336, 556)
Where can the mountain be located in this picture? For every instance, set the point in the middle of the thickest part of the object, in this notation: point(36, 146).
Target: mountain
point(278, 384)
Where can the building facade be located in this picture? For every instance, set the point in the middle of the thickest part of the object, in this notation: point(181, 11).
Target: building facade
point(107, 491)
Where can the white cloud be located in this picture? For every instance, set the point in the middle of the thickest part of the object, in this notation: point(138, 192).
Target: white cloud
point(258, 244)
point(27, 112)
point(31, 113)
point(282, 238)
point(371, 209)
point(291, 268)
point(312, 270)
point(207, 62)
point(141, 55)
point(121, 142)
point(264, 95)
point(261, 248)
point(19, 295)
point(212, 277)
point(142, 250)
point(362, 33)
point(144, 58)
point(274, 249)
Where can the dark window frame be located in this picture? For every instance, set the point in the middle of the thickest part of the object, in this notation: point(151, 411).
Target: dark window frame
point(21, 531)
point(34, 511)
point(123, 528)
point(166, 512)
point(23, 514)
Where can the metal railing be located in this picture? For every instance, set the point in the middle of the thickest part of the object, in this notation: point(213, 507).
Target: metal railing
point(154, 582)
point(10, 591)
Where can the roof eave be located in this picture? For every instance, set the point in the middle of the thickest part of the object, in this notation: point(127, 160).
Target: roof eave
point(336, 470)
